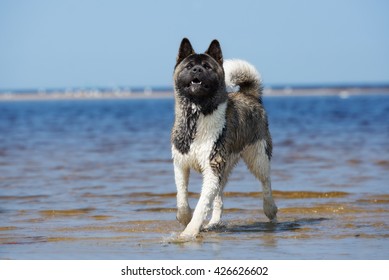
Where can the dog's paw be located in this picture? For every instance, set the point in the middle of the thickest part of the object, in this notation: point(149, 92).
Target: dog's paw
point(178, 238)
point(184, 215)
point(270, 209)
point(187, 237)
point(190, 234)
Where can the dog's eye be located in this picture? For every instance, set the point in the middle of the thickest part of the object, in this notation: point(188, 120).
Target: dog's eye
point(189, 65)
point(207, 66)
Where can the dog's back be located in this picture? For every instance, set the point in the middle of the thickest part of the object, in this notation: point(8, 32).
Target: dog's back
point(246, 117)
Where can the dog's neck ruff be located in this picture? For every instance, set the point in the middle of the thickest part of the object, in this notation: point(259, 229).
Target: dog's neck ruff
point(205, 104)
point(194, 124)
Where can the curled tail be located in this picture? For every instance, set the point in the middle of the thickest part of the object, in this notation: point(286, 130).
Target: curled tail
point(240, 73)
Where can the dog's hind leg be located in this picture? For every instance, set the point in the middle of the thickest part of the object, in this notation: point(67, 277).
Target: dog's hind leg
point(258, 162)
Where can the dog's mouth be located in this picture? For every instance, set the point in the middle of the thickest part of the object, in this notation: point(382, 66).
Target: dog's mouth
point(196, 84)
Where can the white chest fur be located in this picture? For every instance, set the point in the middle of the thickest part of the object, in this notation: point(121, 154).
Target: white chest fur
point(208, 130)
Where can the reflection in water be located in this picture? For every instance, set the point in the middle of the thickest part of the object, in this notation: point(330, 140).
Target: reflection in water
point(94, 180)
point(268, 227)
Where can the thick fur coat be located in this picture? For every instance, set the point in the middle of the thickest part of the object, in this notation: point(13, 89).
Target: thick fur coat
point(213, 129)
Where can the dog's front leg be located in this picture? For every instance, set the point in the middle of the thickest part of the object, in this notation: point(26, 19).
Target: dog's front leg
point(181, 175)
point(208, 192)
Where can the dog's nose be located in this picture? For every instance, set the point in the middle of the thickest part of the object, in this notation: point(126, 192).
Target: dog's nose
point(197, 69)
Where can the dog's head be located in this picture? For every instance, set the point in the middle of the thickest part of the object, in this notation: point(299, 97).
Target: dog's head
point(199, 76)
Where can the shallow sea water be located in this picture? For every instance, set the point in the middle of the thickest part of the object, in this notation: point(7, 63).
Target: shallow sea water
point(93, 179)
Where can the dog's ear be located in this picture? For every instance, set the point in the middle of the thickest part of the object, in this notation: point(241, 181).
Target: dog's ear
point(215, 51)
point(184, 51)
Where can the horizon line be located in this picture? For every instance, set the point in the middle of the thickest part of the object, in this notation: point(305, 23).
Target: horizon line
point(138, 89)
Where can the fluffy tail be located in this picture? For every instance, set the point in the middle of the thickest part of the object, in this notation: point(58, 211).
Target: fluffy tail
point(240, 73)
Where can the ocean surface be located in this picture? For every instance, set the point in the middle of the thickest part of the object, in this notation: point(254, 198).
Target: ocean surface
point(93, 179)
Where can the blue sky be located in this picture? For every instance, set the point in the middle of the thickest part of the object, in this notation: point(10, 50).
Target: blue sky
point(84, 43)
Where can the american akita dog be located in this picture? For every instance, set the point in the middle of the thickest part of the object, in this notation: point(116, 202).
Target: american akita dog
point(214, 128)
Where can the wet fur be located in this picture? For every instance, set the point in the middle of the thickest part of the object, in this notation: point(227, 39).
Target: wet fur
point(213, 129)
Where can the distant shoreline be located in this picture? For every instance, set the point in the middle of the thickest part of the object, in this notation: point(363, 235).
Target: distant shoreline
point(342, 91)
